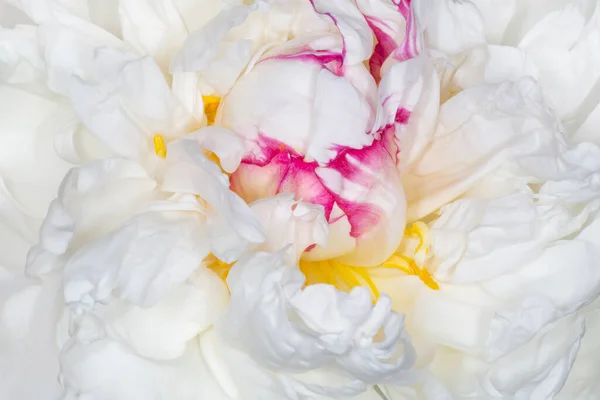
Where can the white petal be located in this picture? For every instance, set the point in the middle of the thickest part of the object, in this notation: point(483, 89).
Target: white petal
point(162, 332)
point(28, 321)
point(539, 370)
point(189, 171)
point(409, 100)
point(496, 16)
point(357, 36)
point(220, 63)
point(582, 382)
point(143, 260)
point(511, 116)
point(564, 45)
point(11, 16)
point(43, 11)
point(96, 366)
point(290, 223)
point(87, 207)
point(17, 232)
point(153, 28)
point(129, 106)
point(339, 328)
point(453, 27)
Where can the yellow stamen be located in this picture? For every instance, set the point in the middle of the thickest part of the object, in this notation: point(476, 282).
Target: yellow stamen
point(410, 267)
point(419, 229)
point(362, 272)
point(211, 105)
point(219, 267)
point(345, 277)
point(159, 146)
point(346, 274)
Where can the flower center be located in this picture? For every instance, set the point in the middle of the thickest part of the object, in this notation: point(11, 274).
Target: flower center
point(211, 105)
point(345, 277)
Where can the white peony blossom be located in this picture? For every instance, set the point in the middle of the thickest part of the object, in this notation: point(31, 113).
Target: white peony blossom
point(299, 199)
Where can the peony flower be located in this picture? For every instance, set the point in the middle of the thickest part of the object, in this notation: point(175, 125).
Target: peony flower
point(299, 199)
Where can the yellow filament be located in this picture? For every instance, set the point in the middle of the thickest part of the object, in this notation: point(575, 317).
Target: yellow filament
point(419, 229)
point(211, 105)
point(362, 272)
point(159, 146)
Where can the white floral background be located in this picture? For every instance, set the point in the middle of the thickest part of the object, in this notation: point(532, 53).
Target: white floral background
point(205, 199)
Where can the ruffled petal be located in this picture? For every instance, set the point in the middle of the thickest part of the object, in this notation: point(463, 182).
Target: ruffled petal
point(85, 189)
point(96, 365)
point(163, 331)
point(143, 260)
point(516, 125)
point(204, 52)
point(231, 223)
point(339, 328)
point(153, 28)
point(287, 222)
point(356, 33)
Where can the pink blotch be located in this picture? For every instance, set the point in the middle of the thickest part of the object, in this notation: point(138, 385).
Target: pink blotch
point(331, 61)
point(410, 47)
point(343, 54)
point(402, 116)
point(287, 172)
point(384, 47)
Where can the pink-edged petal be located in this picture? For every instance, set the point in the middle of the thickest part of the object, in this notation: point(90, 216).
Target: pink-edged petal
point(396, 29)
point(356, 34)
point(408, 107)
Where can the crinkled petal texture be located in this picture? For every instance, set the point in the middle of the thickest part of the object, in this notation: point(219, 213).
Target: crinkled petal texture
point(37, 129)
point(516, 254)
point(556, 42)
point(29, 310)
point(293, 331)
point(224, 39)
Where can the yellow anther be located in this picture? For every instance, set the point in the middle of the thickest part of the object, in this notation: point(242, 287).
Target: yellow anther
point(211, 105)
point(159, 146)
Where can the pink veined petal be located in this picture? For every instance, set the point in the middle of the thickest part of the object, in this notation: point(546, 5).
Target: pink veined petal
point(396, 29)
point(329, 60)
point(359, 182)
point(413, 42)
point(356, 35)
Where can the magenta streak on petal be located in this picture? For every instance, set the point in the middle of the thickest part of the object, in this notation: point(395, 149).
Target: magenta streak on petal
point(410, 46)
point(287, 172)
point(353, 165)
point(312, 2)
point(402, 116)
point(385, 46)
point(331, 61)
